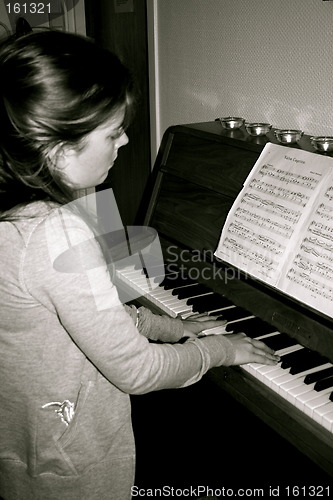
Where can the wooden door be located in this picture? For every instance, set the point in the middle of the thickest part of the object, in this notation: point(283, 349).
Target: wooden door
point(125, 33)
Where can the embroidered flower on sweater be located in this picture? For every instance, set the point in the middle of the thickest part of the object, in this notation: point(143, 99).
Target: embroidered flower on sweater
point(65, 410)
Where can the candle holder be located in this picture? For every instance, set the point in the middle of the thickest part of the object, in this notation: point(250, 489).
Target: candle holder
point(288, 136)
point(232, 122)
point(258, 129)
point(324, 144)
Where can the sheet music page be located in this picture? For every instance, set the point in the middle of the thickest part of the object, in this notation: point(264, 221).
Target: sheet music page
point(309, 276)
point(280, 227)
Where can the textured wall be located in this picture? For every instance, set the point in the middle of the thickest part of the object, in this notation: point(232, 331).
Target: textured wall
point(265, 60)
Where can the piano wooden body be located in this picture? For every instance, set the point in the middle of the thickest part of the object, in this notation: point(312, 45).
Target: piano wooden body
point(199, 171)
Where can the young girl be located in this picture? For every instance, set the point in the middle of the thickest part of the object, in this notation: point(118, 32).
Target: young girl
point(71, 352)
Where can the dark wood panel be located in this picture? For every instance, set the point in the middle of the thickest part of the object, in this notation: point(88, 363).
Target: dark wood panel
point(279, 414)
point(192, 214)
point(215, 165)
point(126, 35)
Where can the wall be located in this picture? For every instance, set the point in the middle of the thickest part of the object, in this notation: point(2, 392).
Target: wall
point(264, 60)
point(48, 15)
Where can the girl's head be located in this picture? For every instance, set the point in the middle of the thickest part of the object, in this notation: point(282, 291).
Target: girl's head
point(64, 106)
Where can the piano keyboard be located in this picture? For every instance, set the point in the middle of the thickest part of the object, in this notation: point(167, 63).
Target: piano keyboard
point(302, 377)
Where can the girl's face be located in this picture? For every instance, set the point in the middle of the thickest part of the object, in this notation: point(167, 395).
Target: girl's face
point(90, 165)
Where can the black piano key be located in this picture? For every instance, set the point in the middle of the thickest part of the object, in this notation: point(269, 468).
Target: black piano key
point(232, 314)
point(189, 291)
point(314, 377)
point(233, 327)
point(280, 341)
point(153, 271)
point(215, 301)
point(331, 397)
point(168, 277)
point(323, 384)
point(253, 327)
point(195, 300)
point(156, 264)
point(310, 360)
point(207, 303)
point(176, 280)
point(287, 360)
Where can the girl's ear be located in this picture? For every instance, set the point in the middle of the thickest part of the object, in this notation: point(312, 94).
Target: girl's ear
point(55, 156)
point(59, 155)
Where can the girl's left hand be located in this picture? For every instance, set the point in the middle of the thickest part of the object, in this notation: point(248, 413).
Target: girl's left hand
point(196, 323)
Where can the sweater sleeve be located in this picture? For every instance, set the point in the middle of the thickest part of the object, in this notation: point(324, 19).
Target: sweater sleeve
point(154, 326)
point(79, 291)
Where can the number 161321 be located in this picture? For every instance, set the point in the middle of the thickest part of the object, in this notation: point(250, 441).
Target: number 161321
point(29, 8)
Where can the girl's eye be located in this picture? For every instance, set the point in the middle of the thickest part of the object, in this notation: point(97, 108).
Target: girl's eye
point(116, 134)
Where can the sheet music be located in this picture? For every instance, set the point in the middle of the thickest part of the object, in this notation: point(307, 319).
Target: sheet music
point(280, 228)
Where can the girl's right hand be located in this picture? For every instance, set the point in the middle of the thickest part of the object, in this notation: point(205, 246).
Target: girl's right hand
point(251, 351)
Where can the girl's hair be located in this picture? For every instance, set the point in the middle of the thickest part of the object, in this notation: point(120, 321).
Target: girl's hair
point(55, 88)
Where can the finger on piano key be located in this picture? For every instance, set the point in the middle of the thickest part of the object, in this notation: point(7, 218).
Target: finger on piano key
point(255, 366)
point(216, 330)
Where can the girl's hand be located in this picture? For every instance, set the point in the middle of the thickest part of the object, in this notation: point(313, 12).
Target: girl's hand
point(247, 350)
point(196, 323)
point(251, 351)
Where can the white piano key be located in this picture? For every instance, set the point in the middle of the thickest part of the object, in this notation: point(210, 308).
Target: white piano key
point(319, 412)
point(315, 403)
point(261, 369)
point(327, 421)
point(268, 371)
point(294, 391)
point(304, 402)
point(289, 378)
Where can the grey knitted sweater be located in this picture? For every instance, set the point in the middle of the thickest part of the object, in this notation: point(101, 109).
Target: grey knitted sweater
point(71, 354)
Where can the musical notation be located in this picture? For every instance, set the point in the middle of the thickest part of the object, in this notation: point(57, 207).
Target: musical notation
point(317, 288)
point(325, 212)
point(265, 242)
point(271, 207)
point(277, 191)
point(314, 268)
point(306, 181)
point(268, 264)
point(266, 223)
point(280, 228)
point(320, 229)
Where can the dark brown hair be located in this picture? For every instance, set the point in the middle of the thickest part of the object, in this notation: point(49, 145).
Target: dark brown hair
point(55, 88)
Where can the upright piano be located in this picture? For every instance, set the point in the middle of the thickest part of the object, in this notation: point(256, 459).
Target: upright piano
point(199, 171)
